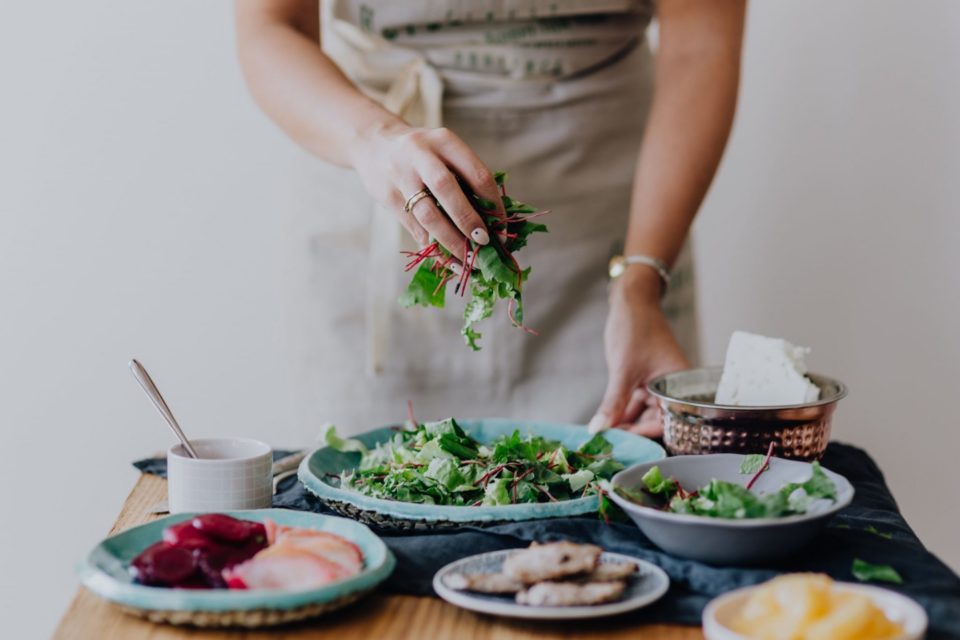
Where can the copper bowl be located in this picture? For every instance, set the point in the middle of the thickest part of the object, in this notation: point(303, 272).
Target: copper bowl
point(693, 424)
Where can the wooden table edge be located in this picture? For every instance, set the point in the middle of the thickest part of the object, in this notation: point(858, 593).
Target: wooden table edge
point(402, 617)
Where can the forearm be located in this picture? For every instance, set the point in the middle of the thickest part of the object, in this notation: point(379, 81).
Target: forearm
point(698, 72)
point(298, 86)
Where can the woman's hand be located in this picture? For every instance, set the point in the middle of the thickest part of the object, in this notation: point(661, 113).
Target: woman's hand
point(395, 161)
point(640, 346)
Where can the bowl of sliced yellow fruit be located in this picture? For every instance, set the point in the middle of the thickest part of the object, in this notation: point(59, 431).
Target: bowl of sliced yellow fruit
point(811, 606)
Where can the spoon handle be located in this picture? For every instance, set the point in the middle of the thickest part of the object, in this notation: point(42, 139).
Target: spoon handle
point(154, 394)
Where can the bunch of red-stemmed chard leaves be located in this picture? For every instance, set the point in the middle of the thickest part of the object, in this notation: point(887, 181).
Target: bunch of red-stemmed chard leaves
point(491, 271)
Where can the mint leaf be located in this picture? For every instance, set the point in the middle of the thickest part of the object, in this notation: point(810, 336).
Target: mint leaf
point(866, 572)
point(421, 288)
point(752, 463)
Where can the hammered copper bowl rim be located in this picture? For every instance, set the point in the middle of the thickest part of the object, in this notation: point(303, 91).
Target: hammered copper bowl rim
point(838, 389)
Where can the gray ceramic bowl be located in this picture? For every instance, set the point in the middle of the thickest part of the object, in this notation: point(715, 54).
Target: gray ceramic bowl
point(724, 541)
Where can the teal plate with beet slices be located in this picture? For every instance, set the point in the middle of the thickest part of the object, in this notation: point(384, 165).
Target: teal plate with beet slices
point(628, 448)
point(104, 571)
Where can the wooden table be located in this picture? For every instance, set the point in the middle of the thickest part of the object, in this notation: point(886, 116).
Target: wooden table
point(378, 617)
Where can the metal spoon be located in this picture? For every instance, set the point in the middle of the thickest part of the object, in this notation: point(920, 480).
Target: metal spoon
point(154, 394)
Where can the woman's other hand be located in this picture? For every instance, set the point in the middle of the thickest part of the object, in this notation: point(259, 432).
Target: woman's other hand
point(396, 161)
point(640, 347)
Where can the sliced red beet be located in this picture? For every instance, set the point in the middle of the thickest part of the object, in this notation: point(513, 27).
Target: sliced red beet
point(229, 529)
point(236, 582)
point(212, 563)
point(185, 536)
point(163, 565)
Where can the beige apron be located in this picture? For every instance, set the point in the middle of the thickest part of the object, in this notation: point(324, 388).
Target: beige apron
point(560, 104)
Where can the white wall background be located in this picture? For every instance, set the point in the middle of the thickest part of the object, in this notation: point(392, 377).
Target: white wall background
point(142, 213)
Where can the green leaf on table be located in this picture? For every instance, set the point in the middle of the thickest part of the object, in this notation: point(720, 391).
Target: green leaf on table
point(866, 572)
point(752, 463)
point(421, 289)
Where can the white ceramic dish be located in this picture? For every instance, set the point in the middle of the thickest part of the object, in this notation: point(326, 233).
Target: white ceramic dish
point(646, 586)
point(231, 474)
point(719, 613)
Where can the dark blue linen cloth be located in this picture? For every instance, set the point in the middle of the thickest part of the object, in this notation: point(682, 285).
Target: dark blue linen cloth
point(926, 579)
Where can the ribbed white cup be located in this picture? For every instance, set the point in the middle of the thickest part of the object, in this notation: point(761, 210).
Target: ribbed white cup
point(230, 474)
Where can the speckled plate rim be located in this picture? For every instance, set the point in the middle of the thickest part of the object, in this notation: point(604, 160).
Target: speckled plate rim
point(481, 604)
point(633, 449)
point(104, 570)
point(845, 492)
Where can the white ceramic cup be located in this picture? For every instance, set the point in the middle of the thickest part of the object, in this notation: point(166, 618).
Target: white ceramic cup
point(230, 474)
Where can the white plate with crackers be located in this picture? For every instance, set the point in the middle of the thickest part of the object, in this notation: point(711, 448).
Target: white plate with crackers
point(551, 581)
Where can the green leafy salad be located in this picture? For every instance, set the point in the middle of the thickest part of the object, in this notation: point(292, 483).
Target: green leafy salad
point(721, 499)
point(439, 463)
point(491, 272)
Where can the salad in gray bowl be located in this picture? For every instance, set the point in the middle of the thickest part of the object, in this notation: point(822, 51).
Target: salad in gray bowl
point(730, 509)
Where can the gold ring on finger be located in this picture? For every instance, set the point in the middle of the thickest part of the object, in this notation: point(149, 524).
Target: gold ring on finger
point(414, 199)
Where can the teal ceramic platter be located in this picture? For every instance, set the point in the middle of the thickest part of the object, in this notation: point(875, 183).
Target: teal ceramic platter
point(629, 449)
point(104, 572)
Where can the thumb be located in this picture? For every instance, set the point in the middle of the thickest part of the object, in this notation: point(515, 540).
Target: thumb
point(619, 387)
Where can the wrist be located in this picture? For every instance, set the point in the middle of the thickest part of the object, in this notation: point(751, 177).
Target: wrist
point(639, 284)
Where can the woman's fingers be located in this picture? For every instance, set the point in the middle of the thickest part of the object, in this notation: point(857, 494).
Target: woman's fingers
point(440, 227)
point(615, 401)
point(649, 424)
point(446, 189)
point(408, 220)
point(635, 406)
point(467, 164)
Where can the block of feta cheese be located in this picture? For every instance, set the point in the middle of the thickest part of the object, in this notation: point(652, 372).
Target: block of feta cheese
point(764, 372)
